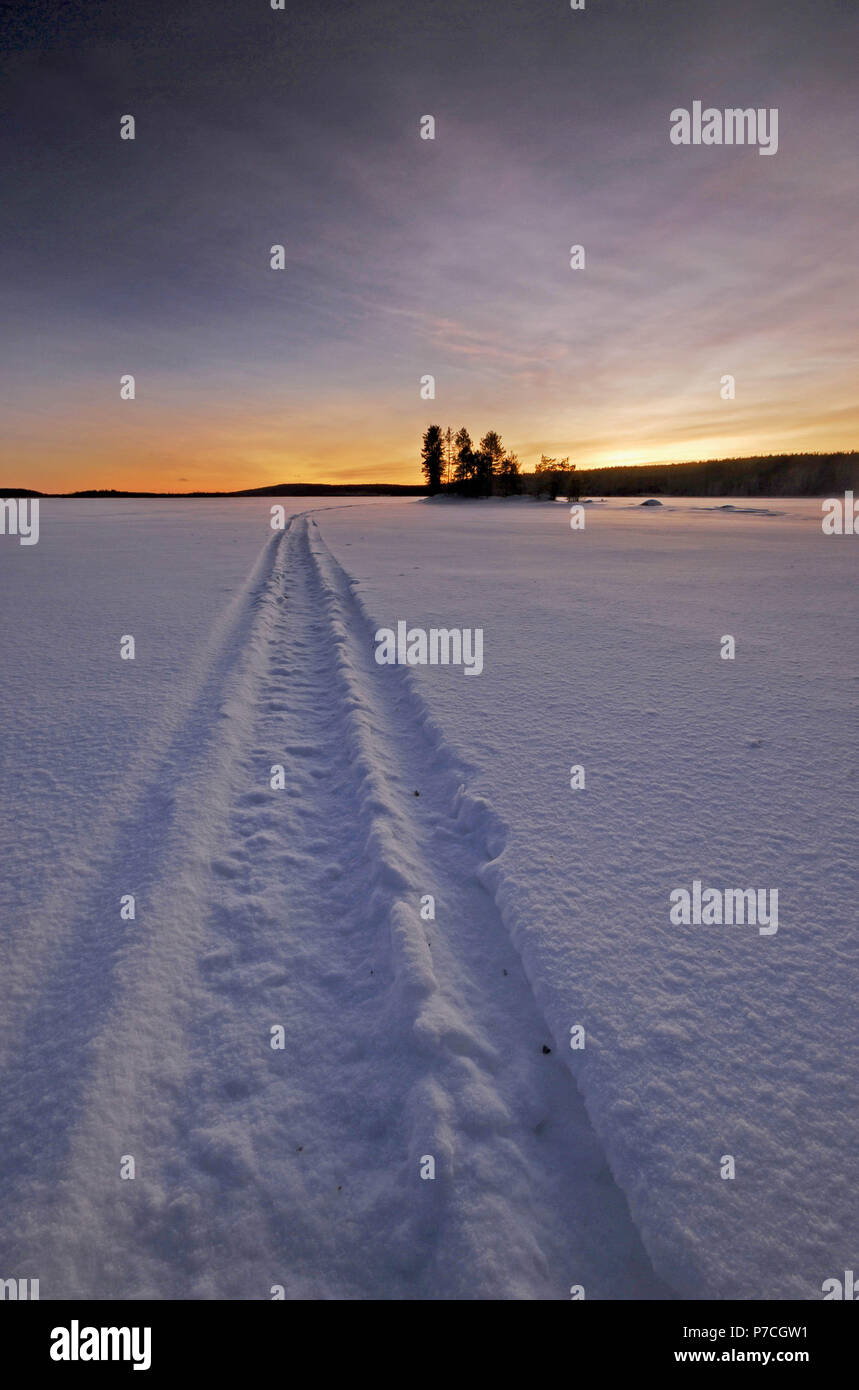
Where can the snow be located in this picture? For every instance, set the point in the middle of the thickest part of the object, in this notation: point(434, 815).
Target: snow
point(407, 1036)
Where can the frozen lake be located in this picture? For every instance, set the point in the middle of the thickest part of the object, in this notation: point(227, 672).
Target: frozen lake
point(375, 904)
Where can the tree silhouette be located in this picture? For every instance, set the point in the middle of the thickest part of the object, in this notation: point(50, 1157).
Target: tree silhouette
point(489, 456)
point(555, 474)
point(451, 461)
point(431, 458)
point(507, 475)
point(465, 471)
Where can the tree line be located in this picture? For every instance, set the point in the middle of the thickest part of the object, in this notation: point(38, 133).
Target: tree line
point(451, 463)
point(761, 475)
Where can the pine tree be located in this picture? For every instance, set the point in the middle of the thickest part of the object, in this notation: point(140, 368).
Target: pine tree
point(448, 456)
point(431, 458)
point(489, 456)
point(466, 461)
point(507, 475)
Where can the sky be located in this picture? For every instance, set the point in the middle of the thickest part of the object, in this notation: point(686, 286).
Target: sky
point(407, 258)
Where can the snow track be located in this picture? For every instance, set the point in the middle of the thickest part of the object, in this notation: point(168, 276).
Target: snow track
point(403, 1037)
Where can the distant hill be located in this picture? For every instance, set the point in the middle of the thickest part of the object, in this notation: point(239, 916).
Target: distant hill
point(324, 489)
point(275, 490)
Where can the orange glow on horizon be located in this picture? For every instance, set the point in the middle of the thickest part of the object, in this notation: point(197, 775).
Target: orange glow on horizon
point(217, 448)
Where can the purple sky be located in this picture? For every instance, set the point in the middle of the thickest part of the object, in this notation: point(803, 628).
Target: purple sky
point(407, 257)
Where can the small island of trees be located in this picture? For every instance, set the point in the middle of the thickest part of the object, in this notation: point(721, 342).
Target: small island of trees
point(451, 463)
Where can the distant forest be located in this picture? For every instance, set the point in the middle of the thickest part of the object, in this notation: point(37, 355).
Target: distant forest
point(766, 475)
point(451, 463)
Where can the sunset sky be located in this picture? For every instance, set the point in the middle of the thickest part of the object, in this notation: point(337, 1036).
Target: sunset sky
point(406, 257)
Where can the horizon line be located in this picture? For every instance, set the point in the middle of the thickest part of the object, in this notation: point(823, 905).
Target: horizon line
point(308, 488)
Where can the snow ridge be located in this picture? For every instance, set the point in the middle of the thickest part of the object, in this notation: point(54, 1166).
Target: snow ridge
point(474, 821)
point(106, 1016)
point(72, 897)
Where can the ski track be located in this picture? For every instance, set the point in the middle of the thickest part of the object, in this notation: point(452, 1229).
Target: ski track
point(403, 1037)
